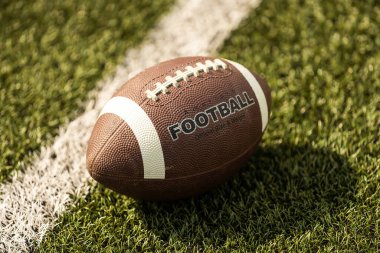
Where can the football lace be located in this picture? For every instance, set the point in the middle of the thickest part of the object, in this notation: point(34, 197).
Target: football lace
point(184, 76)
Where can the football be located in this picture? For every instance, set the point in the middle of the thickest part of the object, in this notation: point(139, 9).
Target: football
point(179, 129)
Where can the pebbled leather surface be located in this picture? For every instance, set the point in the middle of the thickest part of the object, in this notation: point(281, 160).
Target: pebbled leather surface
point(112, 150)
point(194, 163)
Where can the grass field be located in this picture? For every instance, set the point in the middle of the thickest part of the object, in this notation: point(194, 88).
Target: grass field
point(51, 56)
point(314, 183)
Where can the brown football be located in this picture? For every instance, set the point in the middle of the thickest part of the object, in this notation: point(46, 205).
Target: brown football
point(178, 129)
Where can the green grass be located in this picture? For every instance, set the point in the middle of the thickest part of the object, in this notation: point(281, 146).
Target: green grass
point(51, 56)
point(314, 183)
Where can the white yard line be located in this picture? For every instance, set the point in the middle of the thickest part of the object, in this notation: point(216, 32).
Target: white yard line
point(33, 200)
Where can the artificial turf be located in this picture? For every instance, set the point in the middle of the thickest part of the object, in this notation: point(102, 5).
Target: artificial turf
point(52, 53)
point(313, 185)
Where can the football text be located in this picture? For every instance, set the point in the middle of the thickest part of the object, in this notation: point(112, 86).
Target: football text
point(214, 113)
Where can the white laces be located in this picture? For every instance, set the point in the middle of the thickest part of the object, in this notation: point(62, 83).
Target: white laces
point(184, 76)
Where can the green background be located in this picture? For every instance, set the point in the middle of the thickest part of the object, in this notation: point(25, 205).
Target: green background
point(313, 185)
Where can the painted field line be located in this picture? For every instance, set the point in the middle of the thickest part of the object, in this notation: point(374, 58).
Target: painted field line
point(34, 199)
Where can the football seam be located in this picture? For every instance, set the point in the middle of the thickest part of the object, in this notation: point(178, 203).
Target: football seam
point(185, 177)
point(105, 144)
